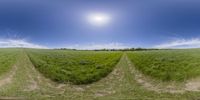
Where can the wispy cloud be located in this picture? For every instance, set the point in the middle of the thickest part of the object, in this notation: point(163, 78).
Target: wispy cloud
point(7, 43)
point(181, 43)
point(92, 46)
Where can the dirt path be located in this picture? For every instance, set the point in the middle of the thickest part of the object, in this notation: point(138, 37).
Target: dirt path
point(160, 87)
point(38, 82)
point(8, 77)
point(124, 80)
point(32, 84)
point(149, 84)
point(193, 85)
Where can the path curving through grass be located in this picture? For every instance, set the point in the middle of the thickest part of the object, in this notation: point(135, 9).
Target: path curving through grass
point(121, 83)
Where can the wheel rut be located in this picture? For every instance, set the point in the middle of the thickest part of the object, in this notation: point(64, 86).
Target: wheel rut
point(148, 83)
point(8, 77)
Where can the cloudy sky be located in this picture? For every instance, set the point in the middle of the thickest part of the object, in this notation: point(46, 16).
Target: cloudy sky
point(96, 24)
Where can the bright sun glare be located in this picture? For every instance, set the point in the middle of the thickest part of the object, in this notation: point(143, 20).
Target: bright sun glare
point(99, 19)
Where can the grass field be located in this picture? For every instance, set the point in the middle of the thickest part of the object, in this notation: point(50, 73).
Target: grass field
point(78, 67)
point(28, 81)
point(168, 65)
point(7, 59)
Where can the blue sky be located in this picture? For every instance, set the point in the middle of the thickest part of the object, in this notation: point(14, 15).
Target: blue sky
point(132, 23)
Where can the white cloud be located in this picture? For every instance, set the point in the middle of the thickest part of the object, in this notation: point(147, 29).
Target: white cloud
point(181, 43)
point(113, 45)
point(7, 43)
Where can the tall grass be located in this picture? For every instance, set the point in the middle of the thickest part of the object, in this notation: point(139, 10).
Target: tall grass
point(78, 67)
point(168, 65)
point(7, 59)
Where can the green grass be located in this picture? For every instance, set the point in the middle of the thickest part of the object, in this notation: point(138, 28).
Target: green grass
point(7, 59)
point(118, 85)
point(78, 67)
point(168, 65)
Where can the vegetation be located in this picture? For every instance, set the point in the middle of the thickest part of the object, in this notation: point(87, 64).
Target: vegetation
point(168, 65)
point(78, 67)
point(7, 59)
point(27, 83)
point(125, 49)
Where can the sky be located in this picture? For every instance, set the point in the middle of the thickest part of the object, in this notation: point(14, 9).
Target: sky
point(98, 24)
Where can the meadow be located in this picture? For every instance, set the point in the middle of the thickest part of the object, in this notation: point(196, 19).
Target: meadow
point(168, 65)
point(77, 67)
point(7, 59)
point(46, 74)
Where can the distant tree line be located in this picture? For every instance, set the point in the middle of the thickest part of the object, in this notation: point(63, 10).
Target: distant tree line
point(126, 49)
point(64, 49)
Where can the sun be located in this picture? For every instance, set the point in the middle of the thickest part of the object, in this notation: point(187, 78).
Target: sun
point(99, 19)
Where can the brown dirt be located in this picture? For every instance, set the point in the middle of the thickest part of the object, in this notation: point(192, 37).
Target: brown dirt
point(193, 85)
point(7, 79)
point(32, 84)
point(171, 87)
